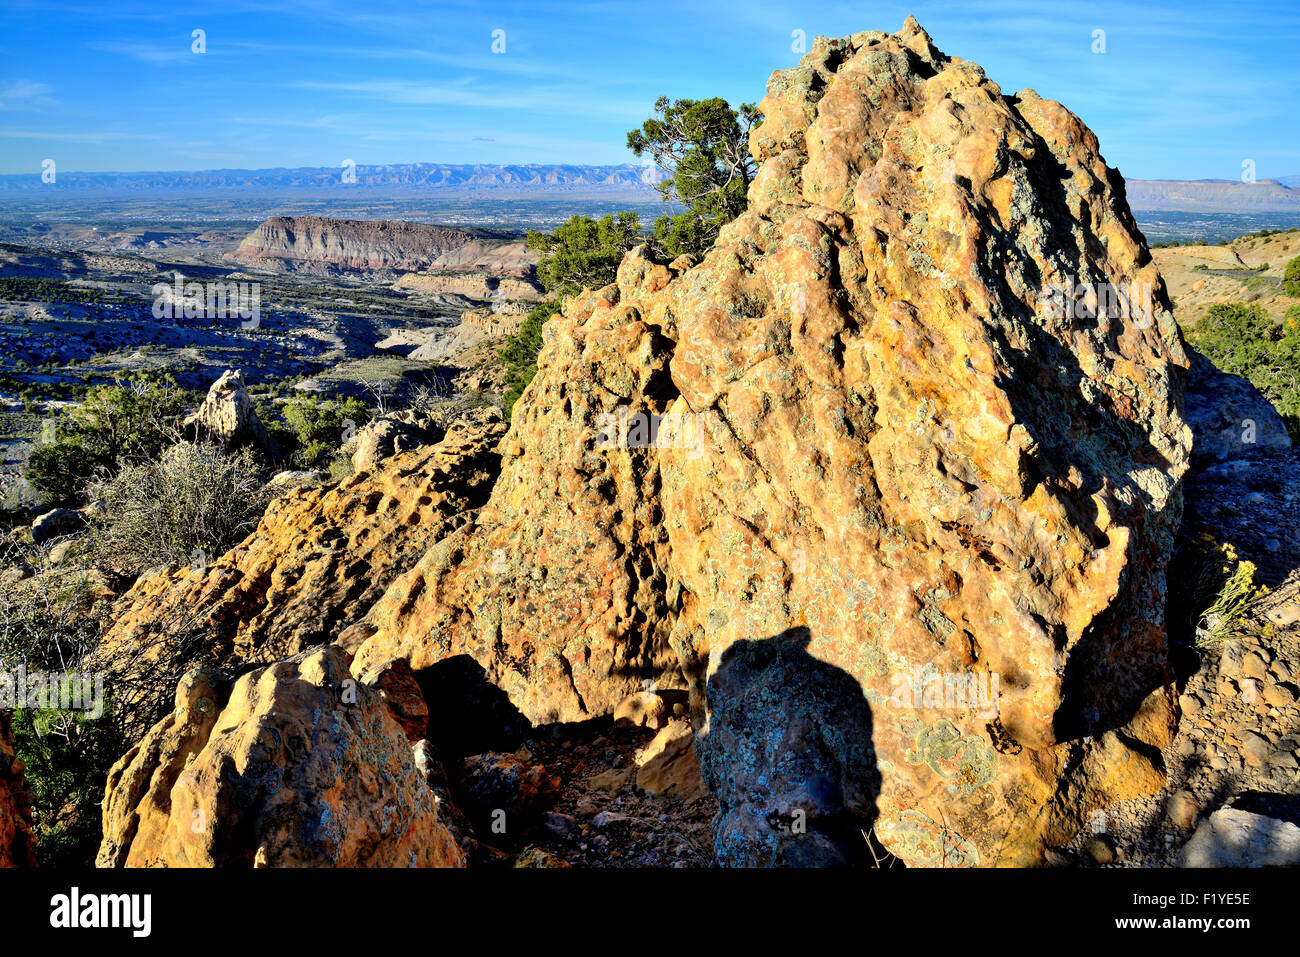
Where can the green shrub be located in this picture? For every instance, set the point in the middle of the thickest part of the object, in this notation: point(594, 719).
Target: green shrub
point(1243, 340)
point(520, 354)
point(49, 623)
point(318, 428)
point(583, 253)
point(195, 500)
point(116, 424)
point(1291, 278)
point(703, 147)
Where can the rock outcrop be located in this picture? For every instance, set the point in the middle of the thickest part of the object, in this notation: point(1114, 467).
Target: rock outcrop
point(391, 434)
point(297, 765)
point(895, 520)
point(1250, 502)
point(475, 285)
point(912, 516)
point(226, 415)
point(319, 557)
point(17, 842)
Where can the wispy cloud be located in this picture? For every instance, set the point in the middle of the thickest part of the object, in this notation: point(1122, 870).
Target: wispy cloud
point(25, 94)
point(75, 136)
point(466, 93)
point(152, 54)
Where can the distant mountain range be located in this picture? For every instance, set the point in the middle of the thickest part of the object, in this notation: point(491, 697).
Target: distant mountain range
point(413, 176)
point(539, 181)
point(1215, 195)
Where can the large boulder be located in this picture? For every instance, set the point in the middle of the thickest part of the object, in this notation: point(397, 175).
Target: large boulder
point(296, 765)
point(17, 842)
point(54, 523)
point(896, 512)
point(226, 415)
point(1228, 416)
point(1234, 838)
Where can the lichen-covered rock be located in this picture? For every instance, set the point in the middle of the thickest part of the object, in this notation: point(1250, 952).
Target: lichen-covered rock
point(1251, 502)
point(297, 765)
point(553, 586)
point(874, 444)
point(1228, 416)
point(890, 452)
point(497, 790)
point(888, 481)
point(17, 842)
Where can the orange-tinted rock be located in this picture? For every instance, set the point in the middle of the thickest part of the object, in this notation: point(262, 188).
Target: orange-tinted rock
point(884, 448)
point(319, 557)
point(668, 766)
point(899, 525)
point(401, 693)
point(297, 765)
point(17, 843)
point(645, 709)
point(553, 587)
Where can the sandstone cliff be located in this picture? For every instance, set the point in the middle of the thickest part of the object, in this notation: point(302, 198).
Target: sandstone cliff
point(474, 285)
point(321, 245)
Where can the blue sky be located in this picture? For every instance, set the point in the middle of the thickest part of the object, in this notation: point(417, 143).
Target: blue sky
point(1183, 90)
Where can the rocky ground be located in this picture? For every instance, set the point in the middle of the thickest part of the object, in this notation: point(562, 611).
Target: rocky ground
point(1238, 746)
point(602, 816)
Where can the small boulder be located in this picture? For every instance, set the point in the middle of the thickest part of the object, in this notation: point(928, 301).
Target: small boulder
point(1100, 849)
point(391, 434)
point(1256, 749)
point(1182, 809)
point(643, 709)
point(56, 522)
point(1233, 838)
point(668, 765)
point(494, 782)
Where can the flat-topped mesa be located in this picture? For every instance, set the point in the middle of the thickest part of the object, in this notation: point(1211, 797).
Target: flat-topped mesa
point(905, 528)
point(322, 244)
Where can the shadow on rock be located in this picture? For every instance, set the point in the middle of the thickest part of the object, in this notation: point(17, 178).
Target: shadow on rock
point(788, 753)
